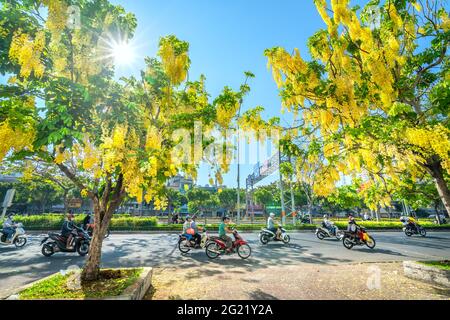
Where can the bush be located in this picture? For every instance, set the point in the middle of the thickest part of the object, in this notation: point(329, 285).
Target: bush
point(126, 222)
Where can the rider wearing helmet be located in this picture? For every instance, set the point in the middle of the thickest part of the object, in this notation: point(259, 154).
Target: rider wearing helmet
point(352, 225)
point(328, 224)
point(68, 228)
point(223, 230)
point(271, 225)
point(8, 227)
point(412, 223)
point(187, 224)
point(196, 228)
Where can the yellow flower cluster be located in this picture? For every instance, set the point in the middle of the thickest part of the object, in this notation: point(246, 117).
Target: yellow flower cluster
point(14, 139)
point(225, 113)
point(175, 66)
point(27, 53)
point(431, 140)
point(57, 17)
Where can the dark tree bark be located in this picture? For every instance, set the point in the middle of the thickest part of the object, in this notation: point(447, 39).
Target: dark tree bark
point(104, 209)
point(434, 168)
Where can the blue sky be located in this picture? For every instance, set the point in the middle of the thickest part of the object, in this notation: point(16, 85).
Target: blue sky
point(227, 37)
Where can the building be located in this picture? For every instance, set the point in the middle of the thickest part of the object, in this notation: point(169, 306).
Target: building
point(180, 183)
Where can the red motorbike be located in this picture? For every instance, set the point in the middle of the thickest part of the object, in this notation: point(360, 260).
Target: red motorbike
point(218, 247)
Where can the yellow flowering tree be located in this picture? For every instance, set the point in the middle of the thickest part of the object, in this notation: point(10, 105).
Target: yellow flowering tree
point(375, 96)
point(61, 106)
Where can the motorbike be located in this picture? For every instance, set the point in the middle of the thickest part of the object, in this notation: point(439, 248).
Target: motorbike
point(323, 232)
point(55, 242)
point(19, 238)
point(410, 230)
point(360, 238)
point(217, 247)
point(265, 236)
point(186, 242)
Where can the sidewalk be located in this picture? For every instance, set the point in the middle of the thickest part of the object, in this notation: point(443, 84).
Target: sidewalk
point(324, 282)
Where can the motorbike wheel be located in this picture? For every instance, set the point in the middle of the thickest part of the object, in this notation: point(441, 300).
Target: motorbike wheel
point(47, 250)
point(212, 250)
point(286, 239)
point(244, 251)
point(183, 247)
point(320, 235)
point(371, 243)
point(83, 248)
point(408, 233)
point(264, 238)
point(347, 243)
point(19, 242)
point(423, 232)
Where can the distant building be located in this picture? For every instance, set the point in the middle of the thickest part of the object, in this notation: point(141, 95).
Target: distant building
point(10, 178)
point(180, 183)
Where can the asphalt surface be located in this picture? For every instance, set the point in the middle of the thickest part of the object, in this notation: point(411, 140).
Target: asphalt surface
point(21, 266)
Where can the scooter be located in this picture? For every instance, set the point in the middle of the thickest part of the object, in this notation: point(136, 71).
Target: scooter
point(217, 247)
point(265, 236)
point(411, 230)
point(19, 238)
point(55, 242)
point(358, 238)
point(323, 232)
point(186, 242)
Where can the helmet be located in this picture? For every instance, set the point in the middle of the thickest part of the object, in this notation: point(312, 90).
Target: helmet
point(325, 216)
point(272, 214)
point(188, 217)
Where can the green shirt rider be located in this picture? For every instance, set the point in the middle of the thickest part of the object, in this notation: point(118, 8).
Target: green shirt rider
point(224, 228)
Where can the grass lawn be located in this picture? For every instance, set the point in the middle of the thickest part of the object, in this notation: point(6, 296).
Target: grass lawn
point(445, 264)
point(111, 283)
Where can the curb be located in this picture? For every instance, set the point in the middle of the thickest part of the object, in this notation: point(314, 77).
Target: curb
point(38, 232)
point(136, 291)
point(430, 274)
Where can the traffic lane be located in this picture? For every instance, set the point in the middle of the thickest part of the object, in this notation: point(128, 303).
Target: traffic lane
point(18, 267)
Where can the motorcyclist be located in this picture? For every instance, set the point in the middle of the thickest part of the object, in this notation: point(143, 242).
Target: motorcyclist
point(412, 223)
point(196, 228)
point(8, 227)
point(271, 225)
point(223, 230)
point(352, 225)
point(88, 220)
point(187, 224)
point(328, 224)
point(68, 228)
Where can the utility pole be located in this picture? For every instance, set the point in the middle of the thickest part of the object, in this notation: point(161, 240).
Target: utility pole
point(283, 210)
point(238, 166)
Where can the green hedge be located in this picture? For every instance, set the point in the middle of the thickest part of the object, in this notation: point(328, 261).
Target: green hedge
point(126, 222)
point(55, 221)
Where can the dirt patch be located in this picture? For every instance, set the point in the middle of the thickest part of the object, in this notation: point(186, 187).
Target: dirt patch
point(368, 281)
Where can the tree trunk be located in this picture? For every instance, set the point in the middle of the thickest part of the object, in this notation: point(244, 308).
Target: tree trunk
point(438, 217)
point(92, 267)
point(103, 212)
point(436, 171)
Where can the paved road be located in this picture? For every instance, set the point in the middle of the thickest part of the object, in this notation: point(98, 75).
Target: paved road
point(19, 267)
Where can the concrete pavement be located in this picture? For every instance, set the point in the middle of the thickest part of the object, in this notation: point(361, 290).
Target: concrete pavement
point(21, 266)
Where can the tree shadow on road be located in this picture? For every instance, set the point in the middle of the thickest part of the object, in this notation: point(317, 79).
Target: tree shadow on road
point(261, 295)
